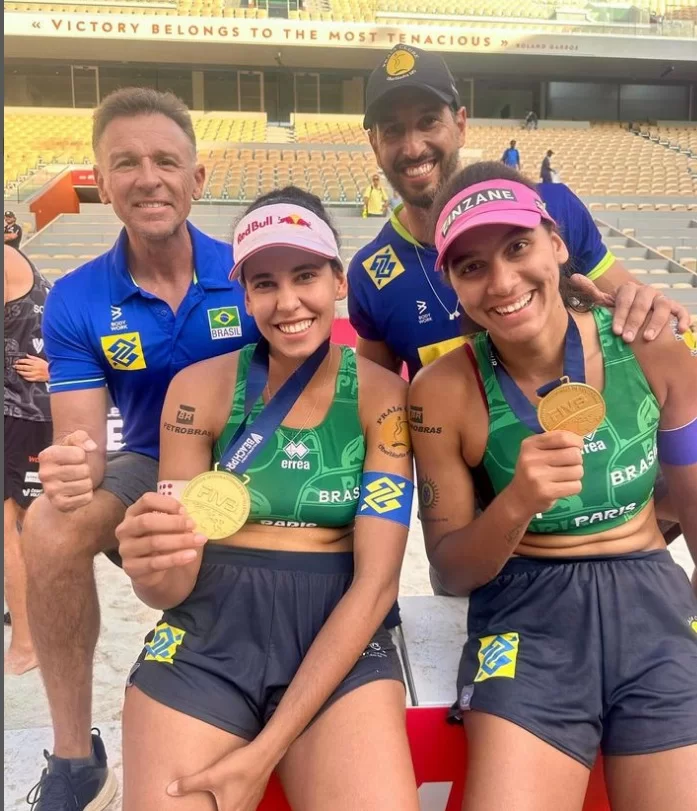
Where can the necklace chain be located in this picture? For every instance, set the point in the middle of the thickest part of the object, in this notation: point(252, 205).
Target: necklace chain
point(452, 316)
point(314, 407)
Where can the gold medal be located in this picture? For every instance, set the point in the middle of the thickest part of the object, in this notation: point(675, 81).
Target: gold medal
point(218, 502)
point(575, 407)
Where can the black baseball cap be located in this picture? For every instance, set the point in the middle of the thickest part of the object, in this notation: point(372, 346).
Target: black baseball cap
point(405, 66)
point(10, 214)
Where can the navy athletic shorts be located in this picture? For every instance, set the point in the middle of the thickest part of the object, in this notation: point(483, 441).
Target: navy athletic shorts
point(586, 653)
point(227, 654)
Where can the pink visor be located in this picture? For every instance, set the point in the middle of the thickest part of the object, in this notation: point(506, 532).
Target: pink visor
point(494, 202)
point(281, 224)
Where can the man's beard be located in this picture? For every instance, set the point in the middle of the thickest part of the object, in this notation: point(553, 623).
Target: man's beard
point(448, 167)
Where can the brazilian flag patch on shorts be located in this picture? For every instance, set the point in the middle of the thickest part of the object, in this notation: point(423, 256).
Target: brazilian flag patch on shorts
point(498, 656)
point(164, 644)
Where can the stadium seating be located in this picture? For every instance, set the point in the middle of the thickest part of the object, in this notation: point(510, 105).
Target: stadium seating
point(331, 155)
point(32, 140)
point(477, 8)
point(181, 8)
point(337, 177)
point(682, 138)
point(526, 15)
point(323, 129)
point(230, 129)
point(162, 7)
point(603, 160)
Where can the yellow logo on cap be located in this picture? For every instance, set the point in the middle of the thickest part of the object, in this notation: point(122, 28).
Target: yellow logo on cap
point(400, 63)
point(383, 266)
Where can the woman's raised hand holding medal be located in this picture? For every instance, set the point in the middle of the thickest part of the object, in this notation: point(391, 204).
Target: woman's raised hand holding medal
point(549, 467)
point(156, 535)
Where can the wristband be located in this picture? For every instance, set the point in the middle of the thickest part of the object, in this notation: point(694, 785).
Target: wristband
point(678, 446)
point(171, 487)
point(385, 495)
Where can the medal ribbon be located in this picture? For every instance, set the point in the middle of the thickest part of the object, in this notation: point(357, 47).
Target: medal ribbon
point(574, 371)
point(248, 441)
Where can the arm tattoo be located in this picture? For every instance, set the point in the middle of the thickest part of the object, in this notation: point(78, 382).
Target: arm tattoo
point(394, 433)
point(429, 494)
point(416, 422)
point(191, 431)
point(185, 423)
point(185, 414)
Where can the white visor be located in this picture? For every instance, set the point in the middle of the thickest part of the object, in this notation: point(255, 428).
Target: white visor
point(281, 224)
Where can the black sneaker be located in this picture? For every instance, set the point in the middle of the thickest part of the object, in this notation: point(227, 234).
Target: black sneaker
point(69, 786)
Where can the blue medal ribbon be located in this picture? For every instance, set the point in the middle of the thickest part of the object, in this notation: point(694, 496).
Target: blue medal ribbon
point(574, 371)
point(248, 441)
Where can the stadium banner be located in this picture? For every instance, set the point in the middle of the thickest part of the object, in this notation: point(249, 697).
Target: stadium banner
point(277, 32)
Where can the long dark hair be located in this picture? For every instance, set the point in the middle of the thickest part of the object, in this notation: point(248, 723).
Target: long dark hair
point(483, 171)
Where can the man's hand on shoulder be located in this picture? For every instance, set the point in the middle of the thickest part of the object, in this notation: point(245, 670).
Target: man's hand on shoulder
point(632, 304)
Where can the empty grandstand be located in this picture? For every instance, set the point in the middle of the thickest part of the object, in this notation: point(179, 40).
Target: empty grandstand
point(330, 155)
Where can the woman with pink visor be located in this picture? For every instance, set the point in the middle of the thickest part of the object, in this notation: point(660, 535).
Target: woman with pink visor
point(582, 631)
point(274, 547)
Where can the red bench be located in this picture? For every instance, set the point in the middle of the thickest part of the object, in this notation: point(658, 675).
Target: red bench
point(438, 750)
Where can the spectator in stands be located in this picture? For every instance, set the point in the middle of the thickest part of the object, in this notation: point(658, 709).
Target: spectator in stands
point(546, 171)
point(374, 199)
point(13, 231)
point(159, 300)
point(531, 120)
point(582, 629)
point(27, 429)
point(511, 156)
point(416, 127)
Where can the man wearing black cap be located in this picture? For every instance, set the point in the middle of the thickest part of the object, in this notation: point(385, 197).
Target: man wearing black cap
point(400, 307)
point(416, 126)
point(13, 232)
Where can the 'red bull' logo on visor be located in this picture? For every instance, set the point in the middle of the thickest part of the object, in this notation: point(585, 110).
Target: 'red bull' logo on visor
point(254, 226)
point(295, 219)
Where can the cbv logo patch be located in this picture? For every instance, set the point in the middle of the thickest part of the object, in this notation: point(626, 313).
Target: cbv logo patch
point(124, 352)
point(498, 656)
